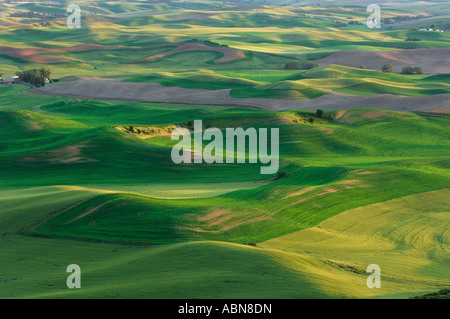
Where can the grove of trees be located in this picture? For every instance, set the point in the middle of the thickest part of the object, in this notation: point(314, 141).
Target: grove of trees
point(296, 65)
point(412, 70)
point(35, 76)
point(406, 70)
point(36, 14)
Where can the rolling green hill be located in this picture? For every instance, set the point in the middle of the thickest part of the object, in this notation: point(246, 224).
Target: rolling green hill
point(361, 158)
point(301, 84)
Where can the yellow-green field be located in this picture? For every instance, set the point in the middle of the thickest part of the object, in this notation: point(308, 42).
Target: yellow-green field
point(407, 237)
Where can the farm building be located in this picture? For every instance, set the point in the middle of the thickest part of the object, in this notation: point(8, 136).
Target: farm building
point(8, 80)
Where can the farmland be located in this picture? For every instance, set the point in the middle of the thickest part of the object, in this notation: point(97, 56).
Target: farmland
point(366, 182)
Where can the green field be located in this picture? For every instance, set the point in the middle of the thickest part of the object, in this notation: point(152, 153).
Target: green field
point(285, 84)
point(354, 187)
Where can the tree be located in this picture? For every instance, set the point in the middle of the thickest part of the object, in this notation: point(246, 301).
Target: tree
point(418, 70)
point(293, 65)
point(387, 67)
point(362, 67)
point(308, 65)
point(35, 76)
point(296, 65)
point(408, 70)
point(45, 72)
point(319, 113)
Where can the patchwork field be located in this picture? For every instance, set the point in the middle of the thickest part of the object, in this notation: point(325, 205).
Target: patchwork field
point(418, 94)
point(88, 178)
point(431, 60)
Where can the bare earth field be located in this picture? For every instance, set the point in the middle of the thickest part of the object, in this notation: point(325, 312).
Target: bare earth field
point(433, 61)
point(115, 89)
point(33, 55)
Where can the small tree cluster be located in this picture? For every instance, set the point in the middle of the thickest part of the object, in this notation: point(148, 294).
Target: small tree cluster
point(394, 20)
point(35, 14)
point(35, 76)
point(296, 65)
point(387, 67)
point(412, 70)
point(320, 113)
point(406, 70)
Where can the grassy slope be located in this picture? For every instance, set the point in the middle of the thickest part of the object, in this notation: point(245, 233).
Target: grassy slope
point(366, 82)
point(48, 149)
point(299, 84)
point(36, 267)
point(190, 270)
point(322, 261)
point(413, 227)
